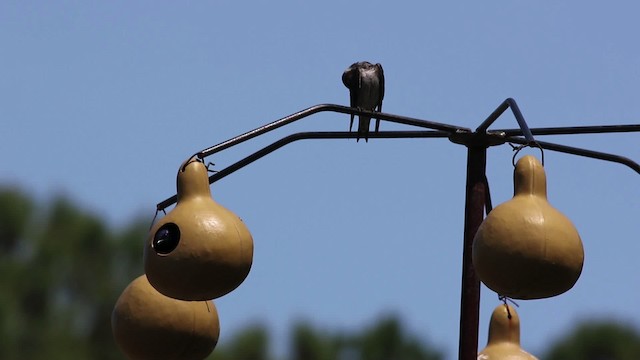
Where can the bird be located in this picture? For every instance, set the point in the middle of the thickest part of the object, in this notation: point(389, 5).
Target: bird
point(365, 82)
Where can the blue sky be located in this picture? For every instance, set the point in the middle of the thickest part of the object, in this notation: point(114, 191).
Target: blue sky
point(102, 101)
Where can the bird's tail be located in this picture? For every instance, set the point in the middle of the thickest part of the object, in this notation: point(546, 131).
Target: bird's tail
point(363, 128)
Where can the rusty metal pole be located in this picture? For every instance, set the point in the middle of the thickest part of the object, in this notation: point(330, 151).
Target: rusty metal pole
point(474, 214)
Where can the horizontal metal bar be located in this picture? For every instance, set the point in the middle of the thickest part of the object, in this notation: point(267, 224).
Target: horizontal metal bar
point(332, 108)
point(303, 136)
point(443, 130)
point(581, 152)
point(574, 130)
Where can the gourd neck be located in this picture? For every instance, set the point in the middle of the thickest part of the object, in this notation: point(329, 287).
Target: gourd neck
point(504, 326)
point(529, 178)
point(193, 180)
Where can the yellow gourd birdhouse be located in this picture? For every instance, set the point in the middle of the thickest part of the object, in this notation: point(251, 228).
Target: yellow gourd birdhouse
point(199, 250)
point(148, 325)
point(504, 337)
point(525, 248)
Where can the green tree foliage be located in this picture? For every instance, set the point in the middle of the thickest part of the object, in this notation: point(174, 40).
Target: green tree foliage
point(61, 271)
point(252, 343)
point(597, 340)
point(387, 340)
point(384, 340)
point(308, 343)
point(16, 211)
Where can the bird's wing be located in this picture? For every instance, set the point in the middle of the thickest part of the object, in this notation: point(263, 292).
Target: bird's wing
point(380, 74)
point(351, 79)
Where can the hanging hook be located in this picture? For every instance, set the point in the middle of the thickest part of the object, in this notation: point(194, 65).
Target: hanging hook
point(520, 147)
point(155, 216)
point(506, 299)
point(210, 166)
point(190, 160)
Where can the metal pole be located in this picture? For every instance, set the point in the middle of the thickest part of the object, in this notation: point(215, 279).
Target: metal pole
point(474, 214)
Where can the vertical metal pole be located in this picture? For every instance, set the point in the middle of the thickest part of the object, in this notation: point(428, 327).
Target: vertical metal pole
point(474, 214)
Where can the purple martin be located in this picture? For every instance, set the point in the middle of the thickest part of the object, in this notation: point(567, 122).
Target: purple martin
point(365, 82)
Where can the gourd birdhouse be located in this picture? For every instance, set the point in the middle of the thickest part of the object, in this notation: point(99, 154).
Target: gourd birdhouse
point(199, 250)
point(148, 325)
point(525, 248)
point(504, 337)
